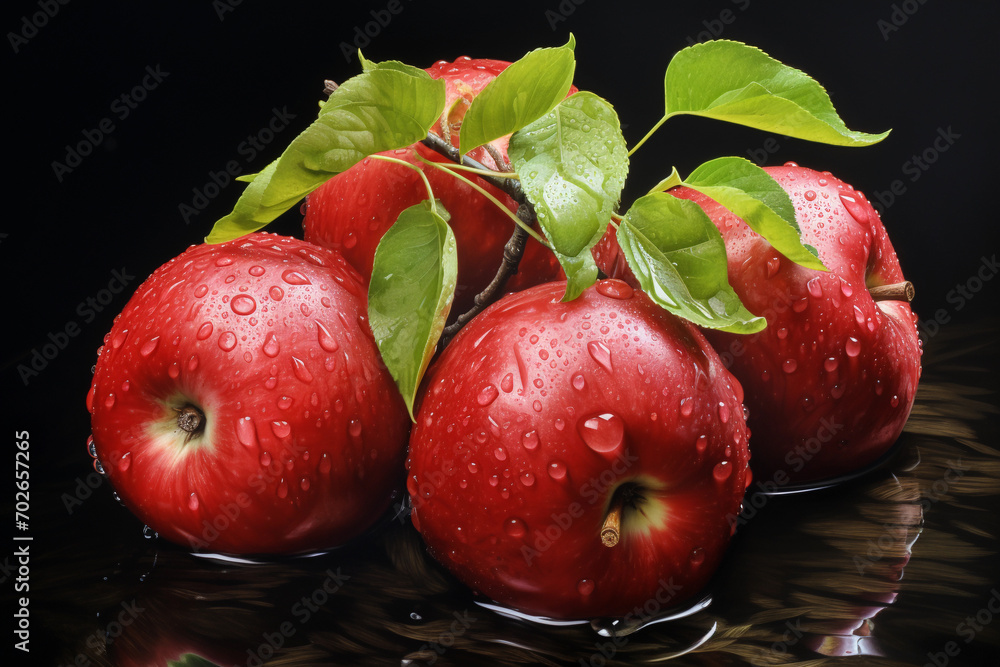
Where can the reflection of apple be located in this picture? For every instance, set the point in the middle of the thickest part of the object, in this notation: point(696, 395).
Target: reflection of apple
point(831, 380)
point(546, 427)
point(352, 211)
point(240, 405)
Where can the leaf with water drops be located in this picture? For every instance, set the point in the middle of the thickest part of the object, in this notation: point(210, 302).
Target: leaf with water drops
point(572, 163)
point(679, 258)
point(388, 106)
point(737, 83)
point(753, 195)
point(411, 291)
point(524, 92)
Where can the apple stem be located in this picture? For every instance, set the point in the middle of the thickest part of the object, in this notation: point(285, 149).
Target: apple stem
point(191, 420)
point(903, 291)
point(611, 530)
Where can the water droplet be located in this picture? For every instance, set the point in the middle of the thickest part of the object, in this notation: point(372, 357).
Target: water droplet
point(530, 440)
point(507, 383)
point(487, 395)
point(846, 288)
point(614, 289)
point(227, 341)
point(773, 264)
point(256, 271)
point(193, 501)
point(324, 463)
point(810, 195)
point(243, 304)
point(515, 527)
point(853, 347)
point(830, 364)
point(722, 471)
point(281, 429)
point(815, 288)
point(527, 479)
point(789, 365)
point(301, 370)
point(603, 433)
point(585, 587)
point(265, 459)
point(204, 331)
point(859, 316)
point(855, 208)
point(600, 353)
point(246, 432)
point(282, 489)
point(557, 470)
point(354, 427)
point(894, 401)
point(836, 391)
point(276, 293)
point(119, 339)
point(697, 556)
point(293, 277)
point(150, 346)
point(723, 412)
point(782, 333)
point(109, 401)
point(125, 461)
point(174, 371)
point(326, 339)
point(304, 484)
point(500, 453)
point(537, 406)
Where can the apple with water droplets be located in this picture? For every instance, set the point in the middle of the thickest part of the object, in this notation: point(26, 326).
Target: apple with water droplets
point(351, 212)
point(830, 382)
point(580, 459)
point(239, 403)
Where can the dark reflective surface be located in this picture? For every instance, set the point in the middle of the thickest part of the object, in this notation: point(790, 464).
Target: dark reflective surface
point(899, 565)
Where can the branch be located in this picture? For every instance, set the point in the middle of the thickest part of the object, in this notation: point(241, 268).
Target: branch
point(512, 253)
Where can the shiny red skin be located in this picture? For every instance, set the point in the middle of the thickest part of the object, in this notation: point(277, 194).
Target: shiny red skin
point(306, 432)
point(484, 497)
point(816, 411)
point(351, 212)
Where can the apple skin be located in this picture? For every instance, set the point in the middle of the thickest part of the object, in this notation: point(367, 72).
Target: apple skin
point(304, 434)
point(350, 212)
point(510, 496)
point(830, 382)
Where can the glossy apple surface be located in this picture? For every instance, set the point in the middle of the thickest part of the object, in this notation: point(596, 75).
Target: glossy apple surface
point(239, 404)
point(830, 382)
point(541, 417)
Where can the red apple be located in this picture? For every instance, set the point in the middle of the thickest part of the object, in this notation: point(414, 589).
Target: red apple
point(831, 380)
point(240, 405)
point(544, 423)
point(352, 211)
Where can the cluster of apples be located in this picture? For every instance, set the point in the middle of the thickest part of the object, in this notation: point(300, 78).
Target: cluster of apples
point(568, 459)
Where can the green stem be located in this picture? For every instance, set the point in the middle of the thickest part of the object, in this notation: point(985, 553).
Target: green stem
point(517, 221)
point(649, 134)
point(423, 176)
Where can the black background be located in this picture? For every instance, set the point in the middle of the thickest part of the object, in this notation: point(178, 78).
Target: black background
point(921, 68)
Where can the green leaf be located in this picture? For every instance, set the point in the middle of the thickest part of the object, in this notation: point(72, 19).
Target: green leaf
point(741, 84)
point(524, 92)
point(674, 179)
point(411, 291)
point(388, 106)
point(753, 195)
point(572, 163)
point(679, 258)
point(581, 273)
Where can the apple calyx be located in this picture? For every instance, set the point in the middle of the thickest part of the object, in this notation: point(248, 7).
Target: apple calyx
point(903, 291)
point(627, 495)
point(191, 420)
